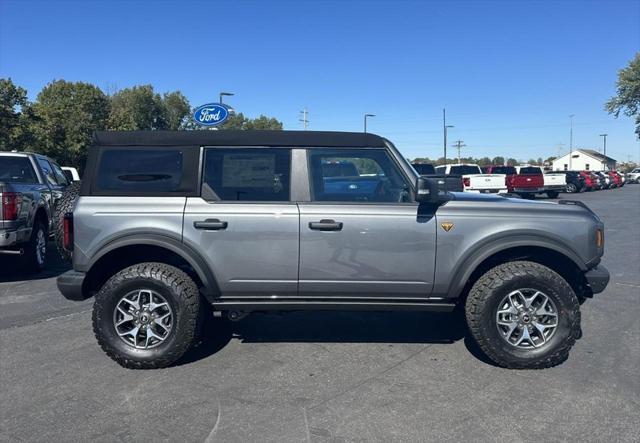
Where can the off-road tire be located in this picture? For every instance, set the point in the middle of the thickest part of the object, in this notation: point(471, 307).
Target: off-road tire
point(30, 257)
point(180, 292)
point(553, 194)
point(488, 291)
point(66, 204)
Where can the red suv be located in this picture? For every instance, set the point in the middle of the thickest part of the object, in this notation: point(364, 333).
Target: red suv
point(616, 180)
point(590, 182)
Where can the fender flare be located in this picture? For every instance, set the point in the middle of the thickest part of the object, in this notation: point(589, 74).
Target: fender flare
point(210, 287)
point(468, 264)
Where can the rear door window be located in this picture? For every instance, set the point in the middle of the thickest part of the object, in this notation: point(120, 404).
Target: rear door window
point(247, 174)
point(140, 170)
point(14, 169)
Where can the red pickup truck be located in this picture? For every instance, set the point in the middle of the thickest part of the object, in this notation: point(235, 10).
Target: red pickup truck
point(526, 182)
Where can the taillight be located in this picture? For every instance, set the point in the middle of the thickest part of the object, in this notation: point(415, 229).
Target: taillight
point(11, 203)
point(466, 181)
point(67, 229)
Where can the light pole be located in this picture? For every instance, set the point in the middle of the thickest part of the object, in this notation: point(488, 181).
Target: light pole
point(571, 140)
point(365, 120)
point(444, 127)
point(604, 143)
point(223, 94)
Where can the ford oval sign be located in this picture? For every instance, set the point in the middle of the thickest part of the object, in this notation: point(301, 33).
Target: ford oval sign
point(210, 114)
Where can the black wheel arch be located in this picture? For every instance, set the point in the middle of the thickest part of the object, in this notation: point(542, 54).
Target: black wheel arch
point(138, 248)
point(555, 255)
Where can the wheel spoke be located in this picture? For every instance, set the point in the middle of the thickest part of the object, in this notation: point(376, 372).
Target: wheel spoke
point(153, 306)
point(525, 336)
point(135, 303)
point(133, 332)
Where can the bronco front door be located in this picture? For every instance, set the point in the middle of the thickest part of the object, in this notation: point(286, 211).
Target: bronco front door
point(361, 235)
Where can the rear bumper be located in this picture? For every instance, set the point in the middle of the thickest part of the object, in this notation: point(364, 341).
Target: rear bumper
point(70, 285)
point(487, 191)
point(12, 237)
point(555, 188)
point(597, 278)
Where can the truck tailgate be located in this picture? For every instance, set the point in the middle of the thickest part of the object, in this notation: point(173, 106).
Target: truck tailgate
point(485, 182)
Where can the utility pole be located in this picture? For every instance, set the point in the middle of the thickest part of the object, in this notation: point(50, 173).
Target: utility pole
point(445, 127)
point(459, 144)
point(571, 141)
point(304, 120)
point(604, 143)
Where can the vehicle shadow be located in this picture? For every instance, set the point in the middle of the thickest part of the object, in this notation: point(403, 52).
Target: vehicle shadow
point(11, 270)
point(335, 327)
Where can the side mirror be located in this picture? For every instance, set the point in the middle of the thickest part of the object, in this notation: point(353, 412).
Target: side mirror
point(435, 188)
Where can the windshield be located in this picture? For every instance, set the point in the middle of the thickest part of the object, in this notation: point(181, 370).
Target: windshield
point(14, 169)
point(465, 170)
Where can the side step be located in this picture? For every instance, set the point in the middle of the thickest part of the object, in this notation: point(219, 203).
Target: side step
point(330, 305)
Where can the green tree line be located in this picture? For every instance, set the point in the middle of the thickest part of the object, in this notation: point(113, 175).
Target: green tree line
point(483, 161)
point(61, 120)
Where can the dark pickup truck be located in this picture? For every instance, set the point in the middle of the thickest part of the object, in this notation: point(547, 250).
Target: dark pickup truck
point(30, 186)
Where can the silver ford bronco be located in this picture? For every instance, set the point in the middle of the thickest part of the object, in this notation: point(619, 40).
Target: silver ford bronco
point(169, 226)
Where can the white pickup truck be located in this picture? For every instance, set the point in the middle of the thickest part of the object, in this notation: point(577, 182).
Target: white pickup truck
point(474, 180)
point(554, 184)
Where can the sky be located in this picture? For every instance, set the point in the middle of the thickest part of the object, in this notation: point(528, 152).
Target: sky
point(509, 73)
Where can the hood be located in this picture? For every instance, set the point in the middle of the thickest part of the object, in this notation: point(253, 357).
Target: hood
point(496, 198)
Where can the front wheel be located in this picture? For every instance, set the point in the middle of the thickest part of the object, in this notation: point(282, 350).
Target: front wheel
point(146, 315)
point(523, 315)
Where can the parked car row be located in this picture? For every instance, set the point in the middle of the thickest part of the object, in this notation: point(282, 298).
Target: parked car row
point(528, 181)
point(584, 181)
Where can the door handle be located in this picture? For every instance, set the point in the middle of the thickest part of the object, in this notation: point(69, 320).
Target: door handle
point(210, 224)
point(326, 225)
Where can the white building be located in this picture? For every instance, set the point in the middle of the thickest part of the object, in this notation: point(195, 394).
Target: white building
point(584, 160)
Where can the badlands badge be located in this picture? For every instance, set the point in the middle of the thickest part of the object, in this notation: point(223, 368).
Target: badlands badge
point(447, 226)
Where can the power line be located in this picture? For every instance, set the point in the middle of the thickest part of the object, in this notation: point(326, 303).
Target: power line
point(304, 120)
point(459, 145)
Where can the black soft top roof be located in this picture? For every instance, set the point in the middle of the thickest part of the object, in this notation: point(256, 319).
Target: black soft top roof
point(237, 138)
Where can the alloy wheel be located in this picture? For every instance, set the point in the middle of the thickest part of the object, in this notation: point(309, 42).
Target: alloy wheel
point(143, 319)
point(527, 318)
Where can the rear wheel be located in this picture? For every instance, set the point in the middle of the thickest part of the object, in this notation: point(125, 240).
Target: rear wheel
point(523, 315)
point(571, 188)
point(146, 315)
point(553, 194)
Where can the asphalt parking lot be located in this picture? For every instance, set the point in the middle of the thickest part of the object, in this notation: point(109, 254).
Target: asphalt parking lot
point(326, 376)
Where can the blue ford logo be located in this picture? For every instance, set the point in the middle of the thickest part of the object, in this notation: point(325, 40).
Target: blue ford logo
point(210, 114)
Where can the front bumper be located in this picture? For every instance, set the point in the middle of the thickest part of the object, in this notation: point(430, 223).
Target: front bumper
point(70, 285)
point(597, 278)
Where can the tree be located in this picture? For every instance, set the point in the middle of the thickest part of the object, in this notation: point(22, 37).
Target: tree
point(176, 110)
point(263, 123)
point(65, 115)
point(627, 99)
point(137, 108)
point(13, 108)
point(532, 161)
point(512, 161)
point(484, 161)
point(498, 160)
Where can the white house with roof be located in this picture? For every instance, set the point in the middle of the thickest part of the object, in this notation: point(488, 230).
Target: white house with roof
point(584, 160)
